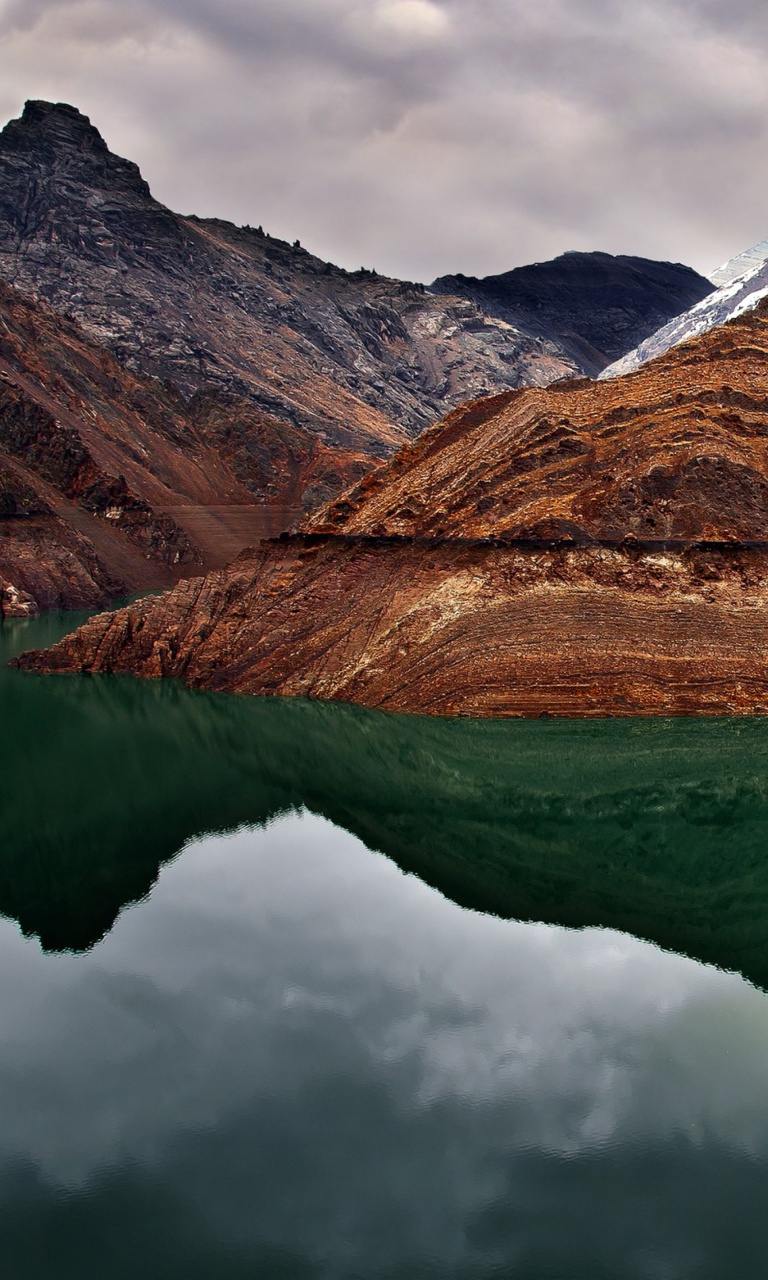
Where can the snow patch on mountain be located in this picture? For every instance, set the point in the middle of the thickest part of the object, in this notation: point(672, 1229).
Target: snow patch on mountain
point(736, 296)
point(741, 264)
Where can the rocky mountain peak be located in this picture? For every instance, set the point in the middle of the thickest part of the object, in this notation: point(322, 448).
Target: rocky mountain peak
point(57, 122)
point(354, 360)
point(55, 139)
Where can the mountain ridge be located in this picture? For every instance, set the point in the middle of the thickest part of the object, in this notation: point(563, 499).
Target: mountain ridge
point(357, 359)
point(595, 305)
point(220, 381)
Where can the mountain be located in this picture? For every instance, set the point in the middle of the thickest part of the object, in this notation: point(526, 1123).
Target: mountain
point(219, 382)
point(742, 283)
point(354, 360)
point(593, 305)
point(585, 549)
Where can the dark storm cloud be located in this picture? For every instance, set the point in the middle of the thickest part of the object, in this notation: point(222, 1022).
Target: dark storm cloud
point(423, 136)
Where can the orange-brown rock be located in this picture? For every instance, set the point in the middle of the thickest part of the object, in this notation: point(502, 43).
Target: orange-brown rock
point(45, 562)
point(110, 482)
point(454, 630)
point(676, 452)
point(590, 550)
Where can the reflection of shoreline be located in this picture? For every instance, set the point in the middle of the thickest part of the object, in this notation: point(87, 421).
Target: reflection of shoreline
point(655, 828)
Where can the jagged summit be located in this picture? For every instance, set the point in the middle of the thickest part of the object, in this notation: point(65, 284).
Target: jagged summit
point(58, 118)
point(56, 132)
point(48, 156)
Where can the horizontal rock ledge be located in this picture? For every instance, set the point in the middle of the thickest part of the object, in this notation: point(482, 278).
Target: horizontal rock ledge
point(462, 630)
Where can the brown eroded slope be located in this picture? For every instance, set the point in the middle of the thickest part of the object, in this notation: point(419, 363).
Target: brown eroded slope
point(587, 550)
point(678, 452)
point(110, 482)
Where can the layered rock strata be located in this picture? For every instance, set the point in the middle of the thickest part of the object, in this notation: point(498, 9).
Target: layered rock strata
point(580, 550)
point(455, 630)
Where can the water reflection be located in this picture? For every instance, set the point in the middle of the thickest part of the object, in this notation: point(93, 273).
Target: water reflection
point(657, 827)
point(294, 1061)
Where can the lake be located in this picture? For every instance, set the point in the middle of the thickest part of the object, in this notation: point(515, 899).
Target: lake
point(304, 991)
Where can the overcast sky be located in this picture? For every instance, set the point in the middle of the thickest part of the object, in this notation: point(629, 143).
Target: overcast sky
point(426, 136)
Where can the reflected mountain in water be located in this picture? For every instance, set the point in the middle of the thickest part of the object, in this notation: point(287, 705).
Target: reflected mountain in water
point(658, 828)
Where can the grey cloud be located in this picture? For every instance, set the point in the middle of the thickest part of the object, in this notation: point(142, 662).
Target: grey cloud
point(423, 136)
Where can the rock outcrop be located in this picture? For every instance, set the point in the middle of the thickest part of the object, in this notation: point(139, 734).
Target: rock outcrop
point(595, 306)
point(587, 549)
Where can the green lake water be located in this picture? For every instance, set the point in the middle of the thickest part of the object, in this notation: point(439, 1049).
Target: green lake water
point(298, 990)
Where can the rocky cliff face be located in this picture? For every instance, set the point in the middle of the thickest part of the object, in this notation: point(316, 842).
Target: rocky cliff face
point(110, 482)
point(595, 306)
point(355, 361)
point(589, 549)
point(45, 562)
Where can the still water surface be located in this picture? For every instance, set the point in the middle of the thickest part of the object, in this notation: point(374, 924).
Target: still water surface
point(237, 1040)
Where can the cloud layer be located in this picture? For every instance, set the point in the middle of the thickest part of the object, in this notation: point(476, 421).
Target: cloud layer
point(425, 136)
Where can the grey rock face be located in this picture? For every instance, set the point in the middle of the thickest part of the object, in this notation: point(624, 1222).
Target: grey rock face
point(594, 305)
point(357, 359)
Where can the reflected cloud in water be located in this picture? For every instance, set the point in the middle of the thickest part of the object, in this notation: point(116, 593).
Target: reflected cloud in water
point(305, 1060)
